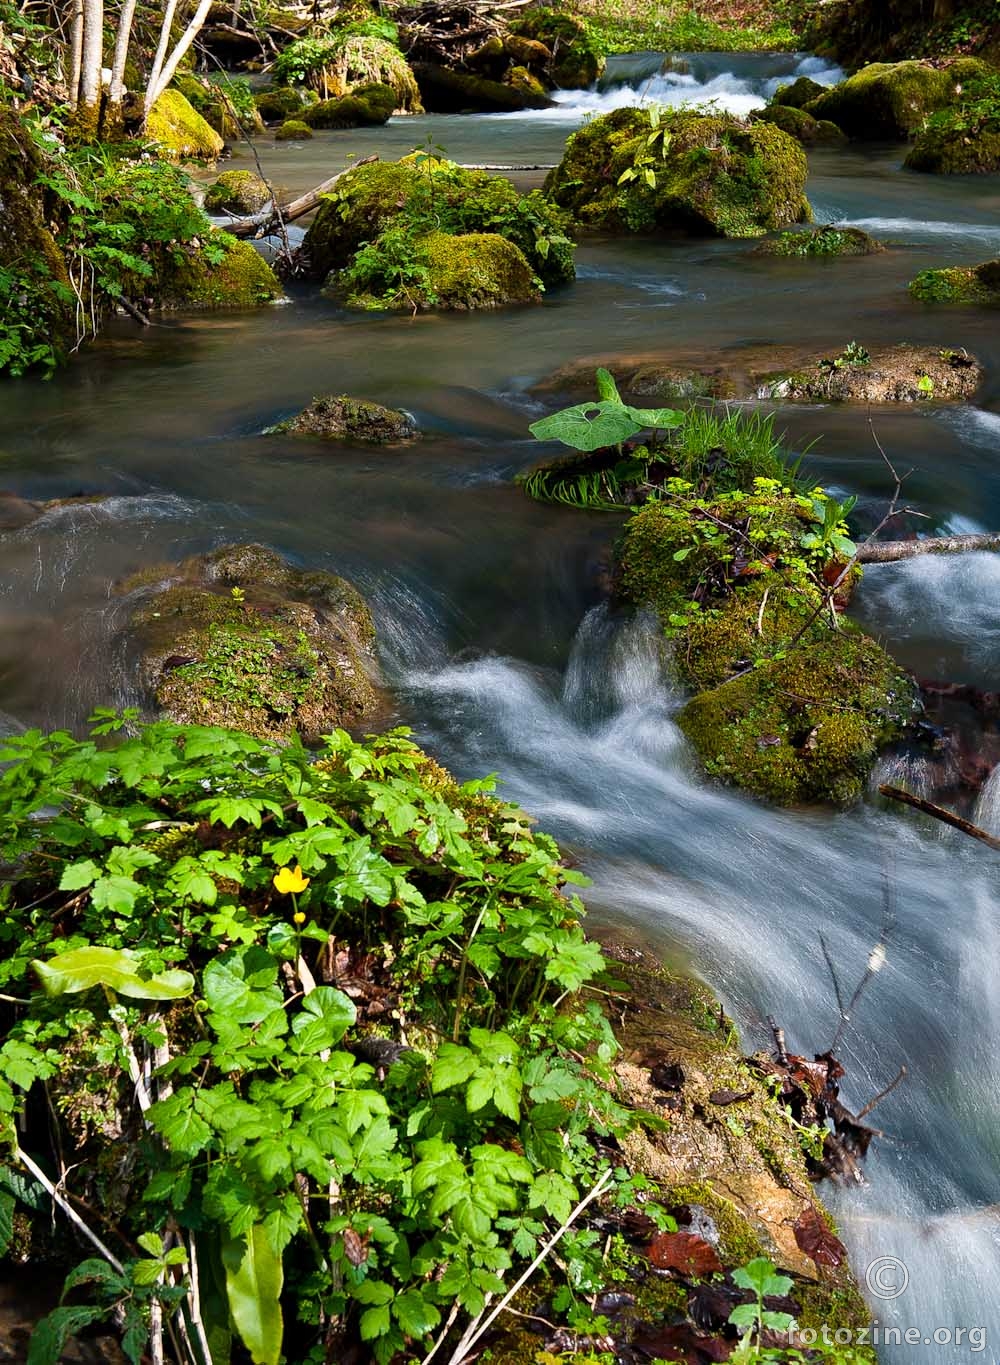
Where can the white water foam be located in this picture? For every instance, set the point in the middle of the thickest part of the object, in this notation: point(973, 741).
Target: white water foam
point(951, 599)
point(917, 229)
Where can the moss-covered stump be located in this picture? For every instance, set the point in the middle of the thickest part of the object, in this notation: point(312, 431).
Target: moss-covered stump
point(426, 193)
point(804, 728)
point(801, 92)
point(718, 176)
point(891, 100)
point(959, 284)
point(823, 243)
point(444, 91)
point(235, 275)
point(956, 150)
point(576, 58)
point(179, 131)
point(811, 132)
point(891, 374)
point(343, 418)
point(241, 638)
point(237, 192)
point(367, 106)
point(293, 130)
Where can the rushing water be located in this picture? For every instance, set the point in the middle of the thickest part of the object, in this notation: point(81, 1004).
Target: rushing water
point(502, 657)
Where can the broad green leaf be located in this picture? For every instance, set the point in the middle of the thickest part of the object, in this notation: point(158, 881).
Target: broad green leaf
point(81, 969)
point(254, 1280)
point(151, 1242)
point(588, 426)
point(453, 1065)
point(607, 389)
point(656, 417)
point(54, 1331)
point(242, 985)
point(416, 1314)
point(330, 1013)
point(78, 875)
point(6, 1221)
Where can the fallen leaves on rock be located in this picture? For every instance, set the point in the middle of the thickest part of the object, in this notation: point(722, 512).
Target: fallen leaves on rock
point(685, 1253)
point(814, 1238)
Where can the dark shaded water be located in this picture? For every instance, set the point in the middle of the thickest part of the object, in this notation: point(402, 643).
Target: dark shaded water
point(502, 659)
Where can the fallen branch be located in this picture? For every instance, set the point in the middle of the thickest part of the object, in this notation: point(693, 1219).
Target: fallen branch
point(947, 817)
point(262, 224)
point(889, 551)
point(67, 1208)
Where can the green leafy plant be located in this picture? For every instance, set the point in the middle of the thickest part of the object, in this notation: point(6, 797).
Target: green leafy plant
point(607, 422)
point(830, 517)
point(760, 1277)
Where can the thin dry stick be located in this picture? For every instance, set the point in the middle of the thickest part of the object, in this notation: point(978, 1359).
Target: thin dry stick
point(882, 1093)
point(194, 1300)
point(449, 1323)
point(68, 1209)
point(947, 817)
point(156, 1331)
point(467, 1342)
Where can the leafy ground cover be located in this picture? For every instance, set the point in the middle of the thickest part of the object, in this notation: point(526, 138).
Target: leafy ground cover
point(712, 26)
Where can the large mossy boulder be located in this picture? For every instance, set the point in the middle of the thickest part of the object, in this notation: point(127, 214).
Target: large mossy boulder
point(892, 100)
point(368, 106)
point(237, 192)
point(576, 58)
point(229, 274)
point(240, 638)
point(359, 59)
point(448, 273)
point(293, 130)
point(343, 418)
point(968, 284)
point(421, 194)
point(717, 175)
point(784, 706)
point(179, 131)
point(956, 150)
point(279, 103)
point(445, 91)
point(801, 92)
point(811, 132)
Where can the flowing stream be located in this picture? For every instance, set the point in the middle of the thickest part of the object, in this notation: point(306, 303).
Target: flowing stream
point(503, 658)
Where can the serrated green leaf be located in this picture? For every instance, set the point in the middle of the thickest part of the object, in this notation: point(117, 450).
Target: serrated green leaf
point(415, 1314)
point(53, 1332)
point(452, 1066)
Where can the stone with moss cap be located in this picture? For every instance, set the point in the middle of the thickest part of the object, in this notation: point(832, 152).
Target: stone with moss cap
point(445, 91)
point(237, 192)
point(179, 130)
point(717, 176)
point(293, 130)
point(359, 59)
point(233, 275)
point(887, 100)
point(464, 273)
point(280, 103)
point(959, 284)
point(366, 106)
point(240, 638)
point(799, 93)
point(956, 150)
point(344, 418)
point(811, 132)
point(822, 243)
point(577, 60)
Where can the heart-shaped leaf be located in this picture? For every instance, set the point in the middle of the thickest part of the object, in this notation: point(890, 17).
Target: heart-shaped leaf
point(588, 426)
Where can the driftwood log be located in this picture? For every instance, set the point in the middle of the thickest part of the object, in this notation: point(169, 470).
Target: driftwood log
point(269, 219)
point(889, 551)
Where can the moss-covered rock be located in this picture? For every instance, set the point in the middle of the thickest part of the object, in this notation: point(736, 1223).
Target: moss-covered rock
point(229, 274)
point(343, 418)
point(577, 60)
point(237, 192)
point(822, 243)
point(426, 192)
point(717, 176)
point(959, 284)
point(179, 131)
point(358, 59)
point(811, 132)
point(522, 79)
point(241, 638)
point(806, 727)
point(890, 374)
point(293, 130)
point(458, 274)
point(367, 106)
point(800, 93)
point(889, 100)
point(445, 91)
point(279, 103)
point(958, 150)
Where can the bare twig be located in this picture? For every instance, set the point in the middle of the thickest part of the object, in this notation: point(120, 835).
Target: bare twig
point(947, 817)
point(63, 1203)
point(882, 1094)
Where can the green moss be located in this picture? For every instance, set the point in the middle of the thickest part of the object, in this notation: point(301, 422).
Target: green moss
point(955, 151)
point(359, 59)
point(824, 243)
point(806, 727)
point(578, 57)
point(718, 176)
point(445, 91)
point(738, 1240)
point(241, 279)
point(800, 125)
point(462, 274)
point(521, 79)
point(892, 99)
point(799, 93)
point(179, 130)
point(367, 106)
point(279, 103)
point(237, 192)
point(976, 284)
point(349, 419)
point(293, 130)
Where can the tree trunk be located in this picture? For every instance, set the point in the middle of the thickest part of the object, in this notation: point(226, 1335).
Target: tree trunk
point(89, 106)
point(156, 88)
point(76, 53)
point(889, 551)
point(943, 10)
point(122, 39)
point(161, 55)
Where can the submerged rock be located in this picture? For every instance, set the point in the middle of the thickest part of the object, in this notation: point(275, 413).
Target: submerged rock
point(240, 638)
point(179, 131)
point(344, 418)
point(891, 100)
point(802, 126)
point(824, 243)
point(716, 176)
point(891, 374)
point(959, 284)
point(237, 192)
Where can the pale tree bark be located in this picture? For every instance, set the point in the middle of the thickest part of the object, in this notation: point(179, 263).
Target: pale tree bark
point(76, 53)
point(161, 52)
point(891, 551)
point(158, 82)
point(116, 91)
point(89, 107)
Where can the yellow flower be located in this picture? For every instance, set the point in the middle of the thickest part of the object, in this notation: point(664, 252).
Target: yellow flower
point(290, 880)
point(299, 917)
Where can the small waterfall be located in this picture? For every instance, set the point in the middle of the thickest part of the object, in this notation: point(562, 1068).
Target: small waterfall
point(987, 812)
